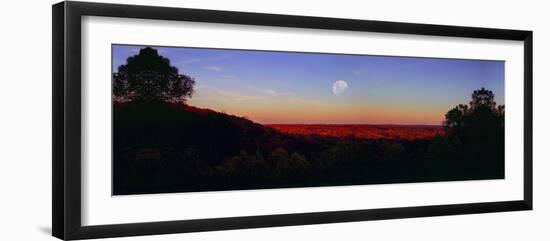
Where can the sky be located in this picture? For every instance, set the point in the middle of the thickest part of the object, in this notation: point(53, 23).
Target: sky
point(313, 88)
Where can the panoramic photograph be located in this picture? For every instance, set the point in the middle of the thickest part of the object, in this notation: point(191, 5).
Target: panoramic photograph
point(202, 119)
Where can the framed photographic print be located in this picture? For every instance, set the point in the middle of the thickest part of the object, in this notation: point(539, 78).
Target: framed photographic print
point(170, 120)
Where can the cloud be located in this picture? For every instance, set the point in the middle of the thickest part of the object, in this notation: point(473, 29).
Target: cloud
point(236, 95)
point(200, 60)
point(270, 92)
point(357, 72)
point(210, 92)
point(213, 68)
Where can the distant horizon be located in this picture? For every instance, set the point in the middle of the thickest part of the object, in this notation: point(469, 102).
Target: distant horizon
point(319, 123)
point(350, 124)
point(295, 88)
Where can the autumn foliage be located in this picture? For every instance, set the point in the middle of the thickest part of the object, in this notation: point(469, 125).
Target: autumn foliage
point(404, 132)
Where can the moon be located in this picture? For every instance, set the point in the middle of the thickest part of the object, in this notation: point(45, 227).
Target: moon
point(339, 87)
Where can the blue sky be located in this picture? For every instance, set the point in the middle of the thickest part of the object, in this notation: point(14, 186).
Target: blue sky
point(286, 87)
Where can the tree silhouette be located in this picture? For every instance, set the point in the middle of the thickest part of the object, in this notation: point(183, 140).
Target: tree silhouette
point(474, 140)
point(483, 99)
point(482, 111)
point(455, 117)
point(149, 77)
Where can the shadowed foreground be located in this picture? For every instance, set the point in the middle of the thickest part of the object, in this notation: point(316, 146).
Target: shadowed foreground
point(161, 148)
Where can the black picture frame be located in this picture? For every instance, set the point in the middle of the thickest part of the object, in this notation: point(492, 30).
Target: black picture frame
point(66, 169)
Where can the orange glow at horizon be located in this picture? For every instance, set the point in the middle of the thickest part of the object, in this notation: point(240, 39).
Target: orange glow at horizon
point(298, 111)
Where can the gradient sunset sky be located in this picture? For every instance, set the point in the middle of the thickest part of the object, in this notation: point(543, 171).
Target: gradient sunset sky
point(284, 87)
